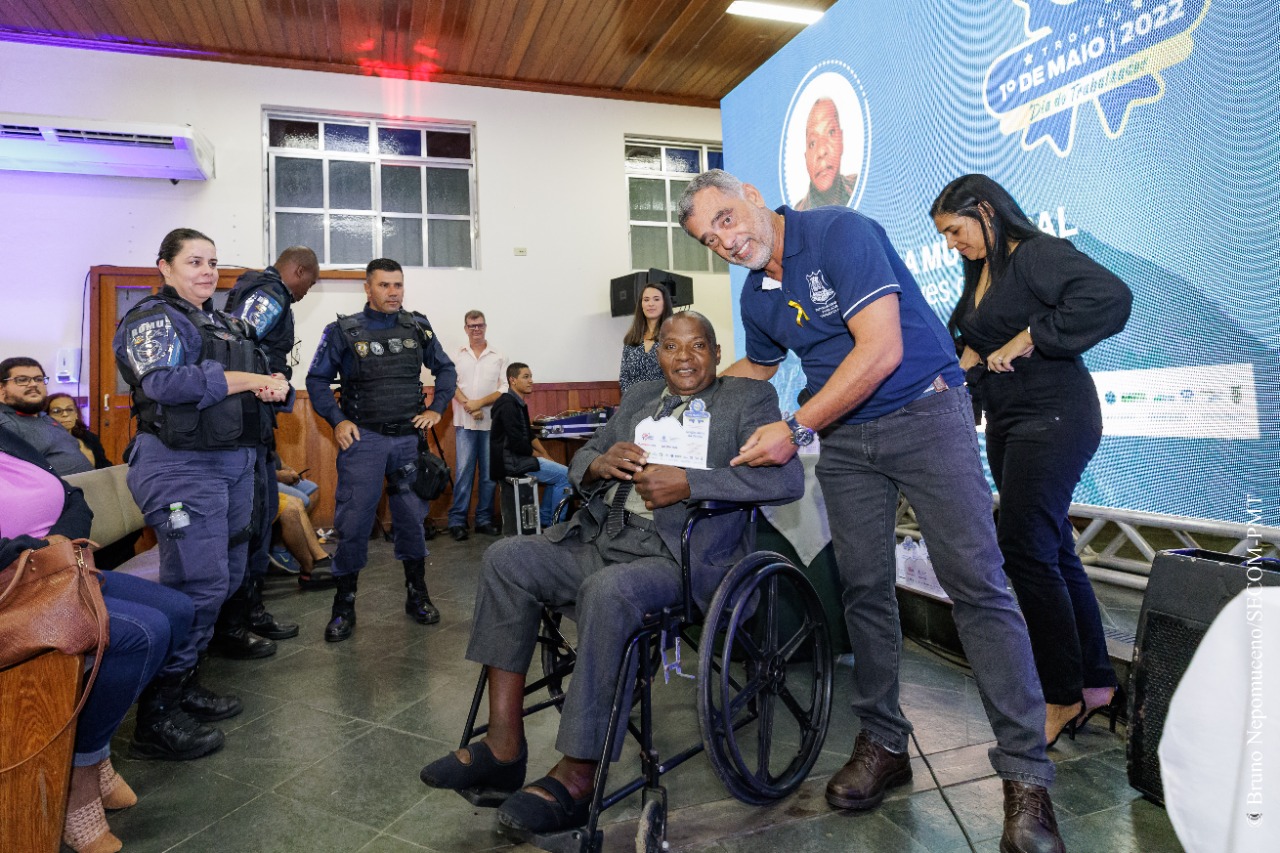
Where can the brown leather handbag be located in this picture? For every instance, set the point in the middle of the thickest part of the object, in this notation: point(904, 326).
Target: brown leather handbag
point(51, 600)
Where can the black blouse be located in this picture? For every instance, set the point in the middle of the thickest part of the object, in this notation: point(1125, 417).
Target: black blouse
point(1069, 301)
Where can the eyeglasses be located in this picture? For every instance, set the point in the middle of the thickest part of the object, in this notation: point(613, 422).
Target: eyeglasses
point(24, 381)
point(66, 411)
point(477, 326)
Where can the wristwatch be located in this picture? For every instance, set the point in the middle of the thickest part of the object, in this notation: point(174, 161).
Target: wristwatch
point(801, 436)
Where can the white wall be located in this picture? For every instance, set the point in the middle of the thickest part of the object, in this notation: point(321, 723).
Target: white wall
point(549, 170)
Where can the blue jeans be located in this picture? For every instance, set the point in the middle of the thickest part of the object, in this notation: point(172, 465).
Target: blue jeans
point(556, 478)
point(471, 447)
point(928, 449)
point(148, 622)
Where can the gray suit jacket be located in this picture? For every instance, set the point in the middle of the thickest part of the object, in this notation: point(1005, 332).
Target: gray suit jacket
point(737, 407)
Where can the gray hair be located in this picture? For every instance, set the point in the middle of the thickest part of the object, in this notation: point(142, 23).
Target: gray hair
point(708, 330)
point(718, 178)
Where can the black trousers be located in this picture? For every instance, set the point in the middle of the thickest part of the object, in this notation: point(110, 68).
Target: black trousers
point(1043, 426)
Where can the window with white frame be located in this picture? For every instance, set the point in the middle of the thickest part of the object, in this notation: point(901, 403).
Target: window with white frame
point(354, 189)
point(657, 173)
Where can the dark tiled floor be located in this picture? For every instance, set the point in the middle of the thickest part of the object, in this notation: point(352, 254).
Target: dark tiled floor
point(325, 758)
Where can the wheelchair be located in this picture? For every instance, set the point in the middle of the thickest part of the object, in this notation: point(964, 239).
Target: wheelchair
point(764, 687)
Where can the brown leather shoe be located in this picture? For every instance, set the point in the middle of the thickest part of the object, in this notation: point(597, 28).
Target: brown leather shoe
point(1029, 822)
point(870, 771)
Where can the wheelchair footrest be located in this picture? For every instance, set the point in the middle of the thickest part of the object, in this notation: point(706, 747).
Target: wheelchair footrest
point(566, 841)
point(485, 798)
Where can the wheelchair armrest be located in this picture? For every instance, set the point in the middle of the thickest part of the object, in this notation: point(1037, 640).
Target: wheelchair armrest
point(700, 512)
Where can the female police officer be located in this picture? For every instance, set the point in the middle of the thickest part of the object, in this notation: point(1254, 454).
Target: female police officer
point(199, 392)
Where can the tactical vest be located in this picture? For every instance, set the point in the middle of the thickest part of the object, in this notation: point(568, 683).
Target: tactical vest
point(385, 385)
point(237, 420)
point(278, 342)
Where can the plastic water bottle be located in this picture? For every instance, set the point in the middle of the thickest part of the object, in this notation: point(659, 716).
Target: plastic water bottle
point(178, 517)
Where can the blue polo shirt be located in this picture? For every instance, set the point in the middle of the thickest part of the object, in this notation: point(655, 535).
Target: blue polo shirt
point(835, 263)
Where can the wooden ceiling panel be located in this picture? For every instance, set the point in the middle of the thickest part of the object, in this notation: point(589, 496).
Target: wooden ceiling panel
point(667, 51)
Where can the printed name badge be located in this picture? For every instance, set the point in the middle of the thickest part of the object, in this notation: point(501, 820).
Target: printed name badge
point(668, 443)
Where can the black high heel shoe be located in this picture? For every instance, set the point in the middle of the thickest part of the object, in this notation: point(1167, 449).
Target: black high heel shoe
point(1111, 710)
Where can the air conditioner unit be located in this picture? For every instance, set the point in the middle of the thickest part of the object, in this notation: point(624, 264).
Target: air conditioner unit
point(88, 147)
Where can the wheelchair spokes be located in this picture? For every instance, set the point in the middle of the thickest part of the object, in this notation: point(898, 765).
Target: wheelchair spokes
point(766, 702)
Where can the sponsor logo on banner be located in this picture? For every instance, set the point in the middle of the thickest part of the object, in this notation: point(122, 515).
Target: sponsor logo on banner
point(1208, 401)
point(1106, 52)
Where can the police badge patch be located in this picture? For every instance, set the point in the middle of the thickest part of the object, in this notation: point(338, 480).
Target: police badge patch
point(395, 346)
point(410, 343)
point(154, 343)
point(362, 348)
point(260, 311)
point(376, 348)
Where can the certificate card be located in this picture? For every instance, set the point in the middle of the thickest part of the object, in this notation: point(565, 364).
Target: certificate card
point(667, 442)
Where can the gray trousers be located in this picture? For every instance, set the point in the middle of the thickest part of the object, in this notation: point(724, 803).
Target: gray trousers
point(929, 451)
point(614, 583)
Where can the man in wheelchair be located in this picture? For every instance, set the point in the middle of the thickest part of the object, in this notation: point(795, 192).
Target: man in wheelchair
point(615, 559)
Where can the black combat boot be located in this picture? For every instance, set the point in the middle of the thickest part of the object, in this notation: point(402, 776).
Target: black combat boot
point(262, 622)
point(205, 705)
point(418, 603)
point(231, 635)
point(166, 732)
point(343, 623)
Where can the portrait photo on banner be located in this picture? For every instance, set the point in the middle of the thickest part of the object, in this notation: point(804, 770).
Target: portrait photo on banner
point(825, 140)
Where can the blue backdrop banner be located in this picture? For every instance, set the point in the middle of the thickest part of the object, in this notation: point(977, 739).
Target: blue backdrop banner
point(1143, 132)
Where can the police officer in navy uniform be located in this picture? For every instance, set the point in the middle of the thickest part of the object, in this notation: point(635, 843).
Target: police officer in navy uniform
point(264, 300)
point(201, 390)
point(379, 354)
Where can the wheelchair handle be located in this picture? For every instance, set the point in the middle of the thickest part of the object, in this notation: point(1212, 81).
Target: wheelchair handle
point(700, 512)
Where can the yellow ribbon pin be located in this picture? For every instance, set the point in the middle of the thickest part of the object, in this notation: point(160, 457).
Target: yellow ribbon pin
point(801, 316)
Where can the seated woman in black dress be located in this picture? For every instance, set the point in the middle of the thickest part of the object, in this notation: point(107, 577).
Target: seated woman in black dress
point(1032, 304)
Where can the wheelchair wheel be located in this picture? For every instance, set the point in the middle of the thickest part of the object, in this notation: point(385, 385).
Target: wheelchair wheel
point(651, 828)
point(557, 654)
point(765, 673)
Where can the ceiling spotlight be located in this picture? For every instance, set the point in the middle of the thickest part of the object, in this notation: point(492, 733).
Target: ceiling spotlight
point(774, 12)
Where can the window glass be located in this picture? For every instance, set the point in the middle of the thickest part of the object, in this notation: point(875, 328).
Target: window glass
point(366, 190)
point(648, 247)
point(402, 240)
point(399, 142)
point(402, 189)
point(449, 243)
point(299, 183)
point(301, 229)
point(647, 202)
point(449, 191)
point(657, 174)
point(683, 160)
point(350, 185)
point(350, 239)
point(455, 146)
point(294, 134)
point(346, 137)
point(644, 158)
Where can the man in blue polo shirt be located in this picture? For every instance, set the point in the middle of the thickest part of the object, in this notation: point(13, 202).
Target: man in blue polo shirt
point(885, 389)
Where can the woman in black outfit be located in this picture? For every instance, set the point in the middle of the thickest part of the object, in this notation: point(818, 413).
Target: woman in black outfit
point(1031, 305)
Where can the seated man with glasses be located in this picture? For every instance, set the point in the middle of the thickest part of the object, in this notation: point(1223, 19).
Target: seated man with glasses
point(23, 392)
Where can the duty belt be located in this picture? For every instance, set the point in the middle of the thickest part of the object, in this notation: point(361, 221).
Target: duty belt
point(403, 428)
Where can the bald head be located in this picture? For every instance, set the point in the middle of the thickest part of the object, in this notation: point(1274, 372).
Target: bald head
point(299, 269)
point(823, 144)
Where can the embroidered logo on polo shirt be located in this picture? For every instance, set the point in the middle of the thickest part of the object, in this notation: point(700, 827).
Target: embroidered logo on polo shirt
point(822, 296)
